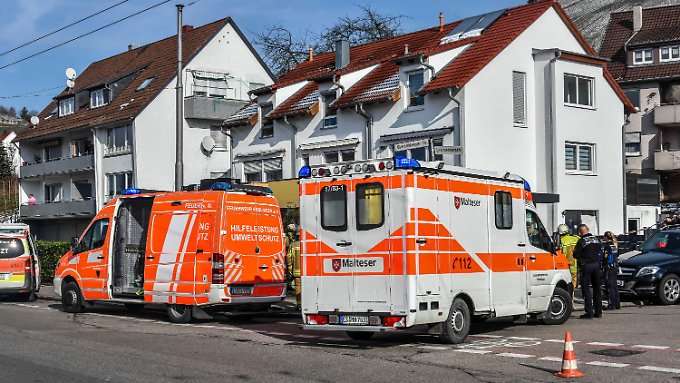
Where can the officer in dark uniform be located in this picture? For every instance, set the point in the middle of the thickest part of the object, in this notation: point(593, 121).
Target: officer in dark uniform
point(588, 253)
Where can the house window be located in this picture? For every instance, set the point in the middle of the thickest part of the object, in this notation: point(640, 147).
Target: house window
point(145, 83)
point(632, 144)
point(270, 169)
point(330, 119)
point(634, 96)
point(578, 90)
point(53, 192)
point(81, 147)
point(267, 130)
point(117, 182)
point(67, 106)
point(99, 97)
point(579, 158)
point(52, 152)
point(345, 155)
point(331, 157)
point(633, 225)
point(221, 138)
point(643, 56)
point(424, 152)
point(519, 98)
point(503, 210)
point(437, 142)
point(416, 79)
point(209, 84)
point(670, 53)
point(118, 140)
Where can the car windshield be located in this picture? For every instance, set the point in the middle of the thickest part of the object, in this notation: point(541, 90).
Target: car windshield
point(668, 242)
point(11, 248)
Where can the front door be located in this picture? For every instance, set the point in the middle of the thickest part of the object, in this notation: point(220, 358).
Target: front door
point(92, 250)
point(540, 263)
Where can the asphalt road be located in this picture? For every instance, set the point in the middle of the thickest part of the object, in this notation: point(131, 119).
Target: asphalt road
point(39, 343)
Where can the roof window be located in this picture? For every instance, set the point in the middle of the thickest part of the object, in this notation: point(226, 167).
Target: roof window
point(145, 83)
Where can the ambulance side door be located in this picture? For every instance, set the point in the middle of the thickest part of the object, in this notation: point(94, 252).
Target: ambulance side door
point(540, 263)
point(92, 250)
point(35, 263)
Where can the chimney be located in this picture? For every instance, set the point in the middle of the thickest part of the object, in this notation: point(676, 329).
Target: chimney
point(637, 18)
point(187, 28)
point(441, 21)
point(310, 51)
point(131, 47)
point(341, 53)
point(405, 49)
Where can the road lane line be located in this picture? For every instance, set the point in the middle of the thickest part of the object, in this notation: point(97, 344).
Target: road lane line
point(522, 338)
point(486, 336)
point(648, 347)
point(551, 359)
point(660, 369)
point(561, 341)
point(608, 364)
point(472, 351)
point(436, 348)
point(605, 344)
point(513, 355)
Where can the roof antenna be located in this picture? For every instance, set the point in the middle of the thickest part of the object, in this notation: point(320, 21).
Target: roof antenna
point(405, 49)
point(310, 51)
point(441, 21)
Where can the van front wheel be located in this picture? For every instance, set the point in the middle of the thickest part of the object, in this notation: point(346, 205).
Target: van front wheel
point(179, 313)
point(560, 307)
point(72, 299)
point(457, 325)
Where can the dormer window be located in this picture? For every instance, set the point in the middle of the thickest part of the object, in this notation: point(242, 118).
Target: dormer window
point(99, 97)
point(643, 56)
point(67, 106)
point(330, 119)
point(670, 53)
point(416, 80)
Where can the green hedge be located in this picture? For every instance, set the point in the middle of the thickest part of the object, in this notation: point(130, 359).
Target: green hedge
point(49, 253)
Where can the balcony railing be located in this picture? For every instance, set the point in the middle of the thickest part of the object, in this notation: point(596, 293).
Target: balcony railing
point(60, 166)
point(667, 160)
point(63, 209)
point(667, 115)
point(211, 108)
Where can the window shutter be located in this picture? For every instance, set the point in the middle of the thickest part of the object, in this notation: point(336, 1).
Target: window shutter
point(252, 167)
point(519, 109)
point(570, 157)
point(272, 164)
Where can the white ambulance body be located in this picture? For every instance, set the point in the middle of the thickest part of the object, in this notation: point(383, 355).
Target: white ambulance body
point(388, 245)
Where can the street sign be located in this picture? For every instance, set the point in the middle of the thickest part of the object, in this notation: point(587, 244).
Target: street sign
point(448, 150)
point(411, 145)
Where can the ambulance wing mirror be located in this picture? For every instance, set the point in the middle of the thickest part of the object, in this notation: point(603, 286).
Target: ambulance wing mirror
point(74, 244)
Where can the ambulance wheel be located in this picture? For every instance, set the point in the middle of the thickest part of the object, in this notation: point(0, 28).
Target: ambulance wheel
point(360, 335)
point(457, 325)
point(560, 307)
point(179, 313)
point(71, 298)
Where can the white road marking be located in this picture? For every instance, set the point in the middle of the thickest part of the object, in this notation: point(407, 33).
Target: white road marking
point(276, 333)
point(605, 344)
point(608, 364)
point(551, 359)
point(472, 351)
point(436, 348)
point(522, 338)
point(306, 336)
point(648, 347)
point(513, 355)
point(486, 336)
point(561, 341)
point(660, 369)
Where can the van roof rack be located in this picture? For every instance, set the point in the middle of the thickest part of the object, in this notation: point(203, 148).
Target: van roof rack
point(228, 184)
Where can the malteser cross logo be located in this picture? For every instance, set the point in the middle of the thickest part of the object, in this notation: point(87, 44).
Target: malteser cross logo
point(337, 265)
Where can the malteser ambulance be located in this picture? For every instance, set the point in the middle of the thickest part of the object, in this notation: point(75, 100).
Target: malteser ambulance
point(217, 248)
point(19, 265)
point(388, 245)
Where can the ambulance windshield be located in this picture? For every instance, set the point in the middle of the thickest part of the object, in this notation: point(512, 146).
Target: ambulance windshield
point(334, 208)
point(11, 248)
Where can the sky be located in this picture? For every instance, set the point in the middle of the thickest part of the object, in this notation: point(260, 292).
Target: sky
point(37, 80)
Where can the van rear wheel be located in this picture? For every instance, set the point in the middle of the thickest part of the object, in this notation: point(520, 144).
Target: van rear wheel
point(457, 325)
point(360, 335)
point(560, 307)
point(72, 299)
point(179, 313)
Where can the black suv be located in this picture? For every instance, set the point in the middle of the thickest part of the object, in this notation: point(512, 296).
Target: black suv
point(655, 273)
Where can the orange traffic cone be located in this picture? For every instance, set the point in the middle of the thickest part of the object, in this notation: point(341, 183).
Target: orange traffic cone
point(569, 367)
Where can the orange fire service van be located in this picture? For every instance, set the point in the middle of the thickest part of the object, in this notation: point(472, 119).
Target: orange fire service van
point(215, 248)
point(392, 244)
point(19, 266)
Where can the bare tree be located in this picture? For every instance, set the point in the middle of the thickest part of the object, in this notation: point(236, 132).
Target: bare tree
point(283, 51)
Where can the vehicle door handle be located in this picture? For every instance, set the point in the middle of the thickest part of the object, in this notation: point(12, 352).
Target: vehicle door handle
point(522, 244)
point(100, 257)
point(532, 257)
point(344, 243)
point(150, 257)
point(421, 241)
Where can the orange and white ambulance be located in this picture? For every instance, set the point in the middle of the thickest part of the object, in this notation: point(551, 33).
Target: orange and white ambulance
point(19, 265)
point(217, 248)
point(392, 244)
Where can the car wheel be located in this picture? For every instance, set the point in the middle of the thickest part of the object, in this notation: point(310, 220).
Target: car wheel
point(669, 290)
point(560, 307)
point(360, 335)
point(179, 313)
point(71, 298)
point(457, 325)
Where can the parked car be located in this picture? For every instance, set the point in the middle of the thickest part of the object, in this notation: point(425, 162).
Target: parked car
point(654, 273)
point(19, 266)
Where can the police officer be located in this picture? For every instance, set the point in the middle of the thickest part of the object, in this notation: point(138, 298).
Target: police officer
point(588, 253)
point(568, 243)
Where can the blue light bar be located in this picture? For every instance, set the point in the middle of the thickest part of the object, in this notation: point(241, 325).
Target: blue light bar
point(527, 187)
point(221, 185)
point(130, 191)
point(406, 163)
point(305, 172)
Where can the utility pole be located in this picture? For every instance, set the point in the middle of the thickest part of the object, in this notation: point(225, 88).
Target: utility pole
point(179, 108)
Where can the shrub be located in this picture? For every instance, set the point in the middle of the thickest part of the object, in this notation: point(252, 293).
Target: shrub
point(49, 253)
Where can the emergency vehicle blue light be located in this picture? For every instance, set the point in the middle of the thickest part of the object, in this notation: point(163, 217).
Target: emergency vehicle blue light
point(406, 163)
point(130, 191)
point(305, 172)
point(527, 187)
point(221, 185)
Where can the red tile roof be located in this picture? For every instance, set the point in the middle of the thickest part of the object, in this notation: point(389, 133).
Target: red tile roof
point(244, 115)
point(659, 24)
point(300, 102)
point(379, 84)
point(156, 60)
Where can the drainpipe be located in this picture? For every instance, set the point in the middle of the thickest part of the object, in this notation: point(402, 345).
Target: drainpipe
point(552, 139)
point(426, 65)
point(368, 131)
point(337, 83)
point(293, 146)
point(457, 136)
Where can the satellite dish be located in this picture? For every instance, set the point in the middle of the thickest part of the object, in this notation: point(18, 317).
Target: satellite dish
point(70, 73)
point(35, 120)
point(208, 144)
point(70, 83)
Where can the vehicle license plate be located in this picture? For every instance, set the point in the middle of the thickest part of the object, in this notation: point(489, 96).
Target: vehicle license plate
point(619, 283)
point(354, 320)
point(241, 290)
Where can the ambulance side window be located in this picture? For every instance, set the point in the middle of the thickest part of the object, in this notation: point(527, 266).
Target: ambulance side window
point(538, 237)
point(334, 208)
point(503, 210)
point(370, 206)
point(94, 237)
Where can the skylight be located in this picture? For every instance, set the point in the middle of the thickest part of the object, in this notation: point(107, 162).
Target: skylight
point(472, 26)
point(145, 83)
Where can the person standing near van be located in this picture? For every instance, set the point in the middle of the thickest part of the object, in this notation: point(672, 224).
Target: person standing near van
point(568, 243)
point(588, 253)
point(611, 268)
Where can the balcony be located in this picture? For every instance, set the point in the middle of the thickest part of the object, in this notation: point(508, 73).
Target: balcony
point(668, 160)
point(61, 166)
point(211, 108)
point(64, 209)
point(667, 115)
